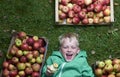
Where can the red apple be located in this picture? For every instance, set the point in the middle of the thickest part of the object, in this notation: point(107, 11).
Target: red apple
point(85, 21)
point(12, 51)
point(36, 45)
point(106, 12)
point(80, 2)
point(23, 59)
point(76, 20)
point(35, 74)
point(30, 41)
point(5, 72)
point(64, 2)
point(29, 56)
point(24, 46)
point(85, 10)
point(98, 8)
point(76, 8)
point(15, 60)
point(115, 61)
point(82, 14)
point(11, 67)
point(107, 2)
point(21, 35)
point(36, 67)
point(42, 42)
point(74, 1)
point(111, 75)
point(28, 70)
point(42, 50)
point(98, 72)
point(13, 73)
point(35, 53)
point(5, 64)
point(62, 15)
point(90, 7)
point(71, 14)
point(104, 7)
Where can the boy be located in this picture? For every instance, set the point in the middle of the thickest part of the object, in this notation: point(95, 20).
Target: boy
point(69, 61)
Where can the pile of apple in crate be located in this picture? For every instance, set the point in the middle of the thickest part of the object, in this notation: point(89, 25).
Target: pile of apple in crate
point(84, 12)
point(107, 68)
point(25, 56)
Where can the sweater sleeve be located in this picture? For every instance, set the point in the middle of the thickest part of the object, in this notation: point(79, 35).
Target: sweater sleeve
point(48, 62)
point(87, 70)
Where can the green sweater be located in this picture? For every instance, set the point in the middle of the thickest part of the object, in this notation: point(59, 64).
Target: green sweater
point(78, 67)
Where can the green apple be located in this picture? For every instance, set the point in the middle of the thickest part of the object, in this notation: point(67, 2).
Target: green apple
point(25, 52)
point(32, 60)
point(39, 60)
point(109, 68)
point(101, 64)
point(108, 61)
point(35, 38)
point(19, 53)
point(18, 42)
point(21, 66)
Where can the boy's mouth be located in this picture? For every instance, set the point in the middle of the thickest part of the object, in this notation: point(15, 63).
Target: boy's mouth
point(69, 56)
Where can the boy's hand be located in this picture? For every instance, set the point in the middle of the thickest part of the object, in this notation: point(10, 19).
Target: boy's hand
point(49, 71)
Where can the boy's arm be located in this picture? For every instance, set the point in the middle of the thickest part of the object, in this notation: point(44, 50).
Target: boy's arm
point(48, 62)
point(87, 70)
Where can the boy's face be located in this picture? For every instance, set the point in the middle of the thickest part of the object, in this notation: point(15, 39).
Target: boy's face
point(69, 49)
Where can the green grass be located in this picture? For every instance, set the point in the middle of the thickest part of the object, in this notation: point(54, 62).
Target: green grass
point(37, 17)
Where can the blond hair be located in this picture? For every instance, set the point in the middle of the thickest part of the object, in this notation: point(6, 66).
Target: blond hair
point(70, 36)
